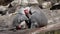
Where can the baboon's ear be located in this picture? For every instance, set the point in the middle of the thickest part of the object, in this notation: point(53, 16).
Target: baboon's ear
point(10, 6)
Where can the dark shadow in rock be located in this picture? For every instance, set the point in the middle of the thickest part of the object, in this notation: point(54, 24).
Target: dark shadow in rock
point(55, 7)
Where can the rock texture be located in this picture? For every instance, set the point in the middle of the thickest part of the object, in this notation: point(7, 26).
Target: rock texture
point(52, 15)
point(5, 2)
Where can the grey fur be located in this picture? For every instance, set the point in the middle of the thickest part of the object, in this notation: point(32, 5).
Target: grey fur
point(38, 19)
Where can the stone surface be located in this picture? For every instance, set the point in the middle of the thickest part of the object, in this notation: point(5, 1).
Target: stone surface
point(52, 15)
